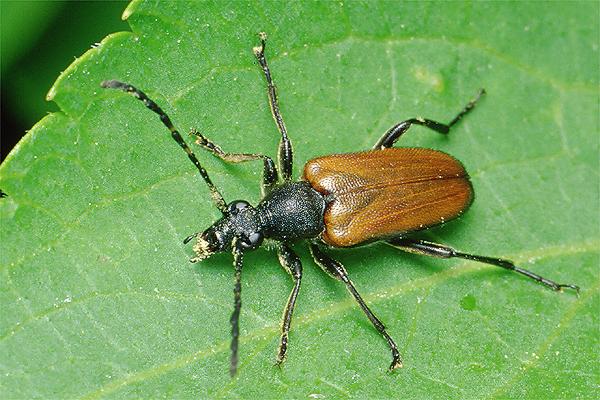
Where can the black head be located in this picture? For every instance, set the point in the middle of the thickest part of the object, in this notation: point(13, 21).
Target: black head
point(240, 220)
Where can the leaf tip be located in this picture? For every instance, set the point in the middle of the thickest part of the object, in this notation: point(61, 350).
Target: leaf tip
point(51, 93)
point(130, 9)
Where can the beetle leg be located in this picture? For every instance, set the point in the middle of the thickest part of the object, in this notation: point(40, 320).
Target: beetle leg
point(394, 133)
point(285, 146)
point(270, 175)
point(291, 263)
point(238, 262)
point(440, 251)
point(337, 271)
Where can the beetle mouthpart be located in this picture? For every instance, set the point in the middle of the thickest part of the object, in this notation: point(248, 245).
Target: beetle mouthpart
point(202, 250)
point(396, 364)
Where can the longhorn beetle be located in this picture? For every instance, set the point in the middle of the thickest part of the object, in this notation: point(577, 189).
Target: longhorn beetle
point(343, 200)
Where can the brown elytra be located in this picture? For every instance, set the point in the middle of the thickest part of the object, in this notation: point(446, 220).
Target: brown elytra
point(386, 193)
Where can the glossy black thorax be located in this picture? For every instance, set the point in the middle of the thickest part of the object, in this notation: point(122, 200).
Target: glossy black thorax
point(292, 211)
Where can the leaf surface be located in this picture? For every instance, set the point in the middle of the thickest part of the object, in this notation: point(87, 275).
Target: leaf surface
point(98, 299)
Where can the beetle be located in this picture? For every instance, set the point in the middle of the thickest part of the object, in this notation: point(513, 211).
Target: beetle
point(343, 200)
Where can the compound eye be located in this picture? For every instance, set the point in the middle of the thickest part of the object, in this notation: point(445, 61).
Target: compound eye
point(252, 241)
point(236, 206)
point(213, 237)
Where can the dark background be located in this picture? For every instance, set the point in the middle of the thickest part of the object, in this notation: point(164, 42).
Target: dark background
point(39, 40)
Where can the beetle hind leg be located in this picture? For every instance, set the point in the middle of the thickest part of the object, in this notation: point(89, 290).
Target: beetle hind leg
point(440, 251)
point(394, 133)
point(337, 271)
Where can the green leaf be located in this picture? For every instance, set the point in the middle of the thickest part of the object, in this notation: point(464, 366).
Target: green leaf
point(97, 296)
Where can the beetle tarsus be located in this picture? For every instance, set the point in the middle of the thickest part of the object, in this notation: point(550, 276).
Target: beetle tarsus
point(270, 175)
point(470, 105)
point(559, 288)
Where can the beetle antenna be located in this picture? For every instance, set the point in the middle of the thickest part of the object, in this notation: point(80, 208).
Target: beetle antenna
point(238, 262)
point(138, 94)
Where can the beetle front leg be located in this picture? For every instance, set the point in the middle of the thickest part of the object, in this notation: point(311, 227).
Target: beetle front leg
point(394, 133)
point(440, 251)
point(285, 154)
point(291, 263)
point(270, 176)
point(337, 271)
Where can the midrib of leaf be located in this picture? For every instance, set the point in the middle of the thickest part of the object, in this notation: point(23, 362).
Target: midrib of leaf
point(172, 101)
point(269, 332)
